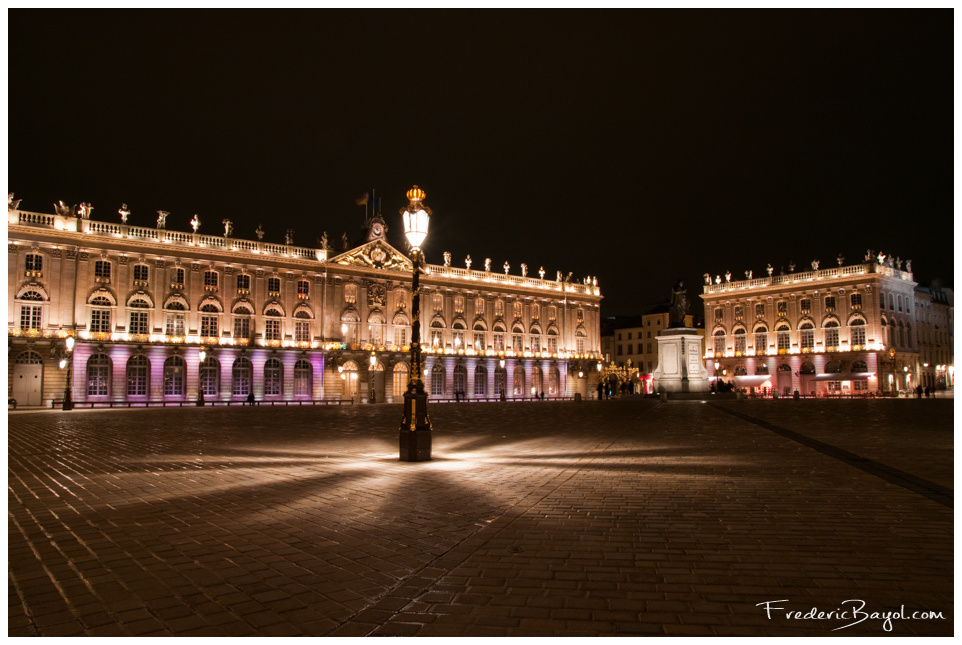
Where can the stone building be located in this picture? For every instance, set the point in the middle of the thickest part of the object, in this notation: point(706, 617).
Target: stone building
point(847, 329)
point(282, 322)
point(934, 316)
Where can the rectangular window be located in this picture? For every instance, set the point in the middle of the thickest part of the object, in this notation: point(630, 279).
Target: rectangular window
point(860, 386)
point(102, 269)
point(272, 329)
point(580, 346)
point(618, 351)
point(138, 322)
point(856, 300)
point(782, 308)
point(805, 304)
point(210, 280)
point(273, 287)
point(478, 306)
point(243, 284)
point(458, 339)
point(760, 310)
point(719, 344)
point(535, 343)
point(34, 262)
point(208, 326)
point(719, 314)
point(302, 331)
point(30, 316)
point(100, 320)
point(437, 338)
point(303, 289)
point(553, 344)
point(479, 340)
point(498, 341)
point(807, 339)
point(740, 344)
point(517, 342)
point(242, 327)
point(174, 324)
point(141, 273)
point(834, 386)
point(400, 336)
point(738, 311)
point(761, 343)
point(829, 303)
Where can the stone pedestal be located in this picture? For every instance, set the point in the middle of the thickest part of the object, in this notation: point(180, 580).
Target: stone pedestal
point(680, 367)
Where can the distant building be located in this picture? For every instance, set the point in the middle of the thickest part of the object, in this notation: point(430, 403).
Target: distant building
point(845, 329)
point(934, 316)
point(280, 322)
point(635, 345)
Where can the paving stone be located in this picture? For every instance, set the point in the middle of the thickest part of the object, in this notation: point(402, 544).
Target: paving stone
point(542, 519)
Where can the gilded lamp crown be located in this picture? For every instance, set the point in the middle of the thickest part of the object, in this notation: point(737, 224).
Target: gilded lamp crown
point(415, 194)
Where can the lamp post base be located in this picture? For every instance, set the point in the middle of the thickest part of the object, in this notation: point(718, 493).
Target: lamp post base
point(415, 434)
point(67, 401)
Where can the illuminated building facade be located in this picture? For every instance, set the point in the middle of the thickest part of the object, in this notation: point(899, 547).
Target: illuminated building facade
point(280, 322)
point(934, 315)
point(840, 330)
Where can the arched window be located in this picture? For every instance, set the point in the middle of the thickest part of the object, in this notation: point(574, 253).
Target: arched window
point(535, 339)
point(807, 368)
point(138, 375)
point(437, 333)
point(460, 379)
point(580, 338)
point(479, 330)
point(517, 338)
point(806, 336)
point(901, 334)
point(400, 380)
point(349, 378)
point(243, 327)
point(100, 318)
point(741, 370)
point(761, 340)
point(98, 375)
point(783, 338)
point(29, 358)
point(457, 330)
point(31, 315)
point(859, 366)
point(500, 380)
point(209, 320)
point(761, 368)
point(537, 382)
point(273, 377)
point(552, 340)
point(833, 367)
point(272, 324)
point(350, 320)
point(375, 322)
point(518, 381)
point(242, 377)
point(480, 380)
point(210, 376)
point(303, 377)
point(719, 342)
point(857, 333)
point(554, 381)
point(437, 379)
point(175, 376)
point(740, 342)
point(831, 335)
point(908, 334)
point(401, 325)
point(174, 319)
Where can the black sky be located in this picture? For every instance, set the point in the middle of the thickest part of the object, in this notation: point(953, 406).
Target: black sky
point(637, 146)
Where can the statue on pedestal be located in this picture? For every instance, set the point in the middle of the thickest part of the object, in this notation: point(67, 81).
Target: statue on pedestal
point(679, 305)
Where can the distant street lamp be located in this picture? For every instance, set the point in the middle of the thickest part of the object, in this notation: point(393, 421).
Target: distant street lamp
point(67, 361)
point(415, 433)
point(202, 355)
point(373, 365)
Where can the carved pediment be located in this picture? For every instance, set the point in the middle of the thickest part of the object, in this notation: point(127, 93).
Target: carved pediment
point(377, 254)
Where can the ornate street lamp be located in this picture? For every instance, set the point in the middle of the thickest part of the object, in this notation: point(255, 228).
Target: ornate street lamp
point(67, 362)
point(415, 433)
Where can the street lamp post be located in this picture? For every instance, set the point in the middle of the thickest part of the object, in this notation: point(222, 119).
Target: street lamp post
point(415, 433)
point(200, 377)
point(67, 361)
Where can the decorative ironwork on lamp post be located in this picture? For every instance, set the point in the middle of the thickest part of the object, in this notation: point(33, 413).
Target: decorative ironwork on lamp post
point(202, 355)
point(415, 433)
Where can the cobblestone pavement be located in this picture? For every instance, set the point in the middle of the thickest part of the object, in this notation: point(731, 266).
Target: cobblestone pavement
point(591, 518)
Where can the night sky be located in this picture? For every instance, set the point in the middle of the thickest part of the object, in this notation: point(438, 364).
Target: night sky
point(636, 146)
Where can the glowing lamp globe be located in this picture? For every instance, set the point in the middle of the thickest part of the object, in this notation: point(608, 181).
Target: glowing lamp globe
point(415, 218)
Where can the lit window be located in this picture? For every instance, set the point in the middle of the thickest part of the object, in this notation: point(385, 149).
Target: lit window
point(856, 300)
point(243, 284)
point(273, 377)
point(437, 380)
point(98, 375)
point(480, 380)
point(138, 369)
point(31, 316)
point(141, 273)
point(829, 303)
point(175, 371)
point(242, 376)
point(102, 269)
point(210, 280)
point(210, 376)
point(273, 287)
point(807, 336)
point(740, 342)
point(303, 289)
point(302, 331)
point(303, 377)
point(831, 335)
point(100, 320)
